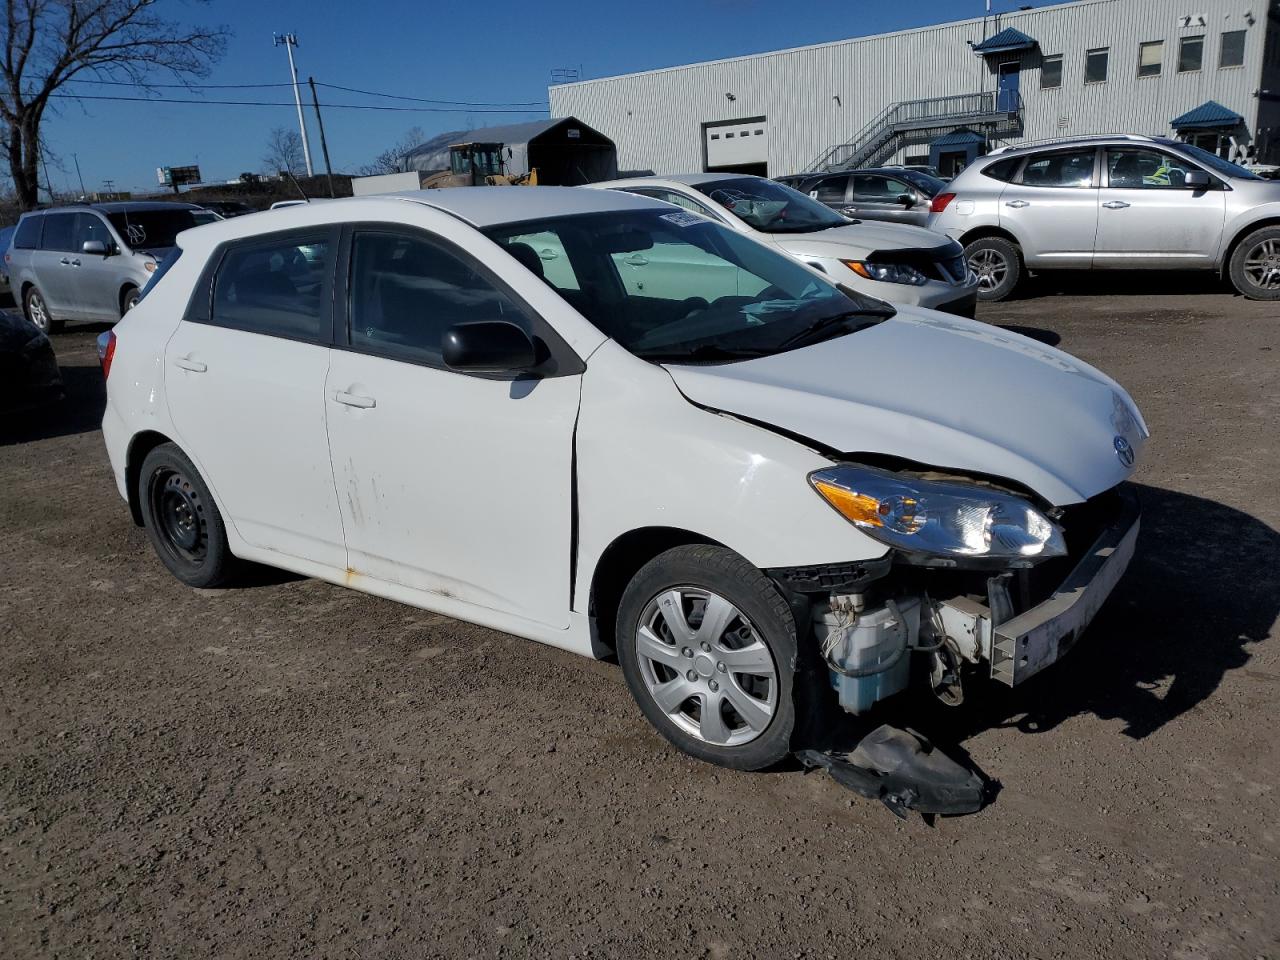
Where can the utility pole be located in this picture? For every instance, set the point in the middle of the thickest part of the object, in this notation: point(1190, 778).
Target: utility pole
point(324, 147)
point(83, 192)
point(289, 41)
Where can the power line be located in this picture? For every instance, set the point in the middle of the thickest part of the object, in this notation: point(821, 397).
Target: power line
point(331, 86)
point(463, 103)
point(261, 103)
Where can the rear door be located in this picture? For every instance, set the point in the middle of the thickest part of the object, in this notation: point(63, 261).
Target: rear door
point(1052, 208)
point(245, 376)
point(55, 265)
point(1147, 217)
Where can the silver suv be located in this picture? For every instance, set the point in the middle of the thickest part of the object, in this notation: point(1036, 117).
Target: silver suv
point(1120, 202)
point(90, 262)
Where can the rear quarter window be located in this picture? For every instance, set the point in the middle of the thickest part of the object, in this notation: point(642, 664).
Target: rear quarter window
point(1003, 170)
point(28, 234)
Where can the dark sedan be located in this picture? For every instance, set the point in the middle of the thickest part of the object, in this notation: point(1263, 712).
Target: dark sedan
point(29, 374)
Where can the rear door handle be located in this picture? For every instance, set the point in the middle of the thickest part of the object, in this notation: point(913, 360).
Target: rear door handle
point(1115, 204)
point(1017, 204)
point(355, 400)
point(195, 366)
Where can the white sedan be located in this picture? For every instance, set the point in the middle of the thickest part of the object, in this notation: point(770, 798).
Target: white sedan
point(894, 262)
point(759, 489)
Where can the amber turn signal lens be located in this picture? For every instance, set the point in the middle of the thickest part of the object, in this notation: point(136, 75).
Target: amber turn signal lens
point(855, 507)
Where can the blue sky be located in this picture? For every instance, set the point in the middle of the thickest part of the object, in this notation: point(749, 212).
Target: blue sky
point(495, 51)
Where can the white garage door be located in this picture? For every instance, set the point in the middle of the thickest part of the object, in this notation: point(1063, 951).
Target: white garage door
point(733, 144)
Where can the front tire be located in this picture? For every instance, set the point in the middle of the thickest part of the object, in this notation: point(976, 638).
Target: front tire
point(129, 299)
point(998, 265)
point(707, 645)
point(37, 312)
point(182, 521)
point(1255, 265)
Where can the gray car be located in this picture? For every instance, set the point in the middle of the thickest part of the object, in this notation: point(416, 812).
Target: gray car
point(90, 262)
point(1119, 202)
point(891, 194)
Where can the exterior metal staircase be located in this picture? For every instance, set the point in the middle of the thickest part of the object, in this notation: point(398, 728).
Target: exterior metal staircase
point(994, 113)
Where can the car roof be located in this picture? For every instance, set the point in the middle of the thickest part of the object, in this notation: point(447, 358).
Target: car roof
point(1021, 149)
point(479, 206)
point(119, 206)
point(686, 179)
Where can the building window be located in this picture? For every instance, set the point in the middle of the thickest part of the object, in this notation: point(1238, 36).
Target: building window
point(1190, 54)
point(1095, 65)
point(1150, 58)
point(728, 136)
point(1051, 72)
point(1232, 51)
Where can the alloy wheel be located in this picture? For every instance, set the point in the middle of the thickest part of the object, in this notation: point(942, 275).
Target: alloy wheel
point(706, 666)
point(37, 312)
point(1262, 264)
point(991, 268)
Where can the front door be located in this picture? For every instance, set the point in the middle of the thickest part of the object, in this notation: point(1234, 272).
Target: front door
point(450, 484)
point(1053, 209)
point(99, 277)
point(244, 375)
point(1007, 86)
point(880, 197)
point(1147, 217)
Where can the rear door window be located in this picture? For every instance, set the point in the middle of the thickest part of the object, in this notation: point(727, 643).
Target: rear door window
point(278, 287)
point(1070, 168)
point(27, 236)
point(59, 232)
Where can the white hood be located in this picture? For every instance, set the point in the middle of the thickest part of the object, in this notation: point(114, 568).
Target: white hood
point(857, 240)
point(944, 392)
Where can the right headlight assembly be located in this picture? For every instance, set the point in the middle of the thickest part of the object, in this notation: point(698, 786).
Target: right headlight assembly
point(941, 519)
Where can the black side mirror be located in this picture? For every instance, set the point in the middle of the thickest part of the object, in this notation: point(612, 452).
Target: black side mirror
point(907, 200)
point(97, 247)
point(489, 346)
point(1196, 180)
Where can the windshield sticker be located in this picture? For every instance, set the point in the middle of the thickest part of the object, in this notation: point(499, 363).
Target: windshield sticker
point(136, 234)
point(683, 219)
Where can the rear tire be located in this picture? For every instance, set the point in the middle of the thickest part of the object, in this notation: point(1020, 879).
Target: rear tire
point(742, 667)
point(182, 521)
point(998, 264)
point(1255, 265)
point(37, 312)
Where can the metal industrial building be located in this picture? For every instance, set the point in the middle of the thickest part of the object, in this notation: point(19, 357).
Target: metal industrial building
point(1205, 70)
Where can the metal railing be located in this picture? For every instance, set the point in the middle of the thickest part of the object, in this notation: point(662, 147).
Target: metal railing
point(905, 115)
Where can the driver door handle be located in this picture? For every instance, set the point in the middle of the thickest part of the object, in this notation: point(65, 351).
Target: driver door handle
point(1115, 204)
point(355, 400)
point(195, 366)
point(1017, 204)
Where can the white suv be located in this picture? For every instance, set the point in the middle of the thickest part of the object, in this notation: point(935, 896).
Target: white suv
point(1121, 202)
point(759, 498)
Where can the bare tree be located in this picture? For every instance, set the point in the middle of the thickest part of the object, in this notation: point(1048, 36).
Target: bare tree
point(48, 42)
point(284, 152)
point(388, 161)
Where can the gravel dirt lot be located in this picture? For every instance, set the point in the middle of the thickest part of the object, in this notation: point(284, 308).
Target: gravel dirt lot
point(293, 769)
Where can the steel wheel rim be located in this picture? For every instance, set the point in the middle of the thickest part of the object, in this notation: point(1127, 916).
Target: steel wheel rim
point(39, 316)
point(991, 268)
point(180, 519)
point(1262, 264)
point(706, 666)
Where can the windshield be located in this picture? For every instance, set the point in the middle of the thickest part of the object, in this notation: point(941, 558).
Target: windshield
point(771, 207)
point(675, 287)
point(1215, 163)
point(151, 229)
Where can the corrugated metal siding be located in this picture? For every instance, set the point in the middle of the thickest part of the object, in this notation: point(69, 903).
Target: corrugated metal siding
point(656, 117)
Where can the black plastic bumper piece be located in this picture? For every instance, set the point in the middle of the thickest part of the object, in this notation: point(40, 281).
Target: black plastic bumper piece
point(905, 772)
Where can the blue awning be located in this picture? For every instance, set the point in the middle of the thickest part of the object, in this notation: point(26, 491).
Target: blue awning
point(960, 137)
point(1006, 41)
point(1210, 115)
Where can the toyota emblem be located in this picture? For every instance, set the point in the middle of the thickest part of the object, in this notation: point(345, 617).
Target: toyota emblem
point(1124, 451)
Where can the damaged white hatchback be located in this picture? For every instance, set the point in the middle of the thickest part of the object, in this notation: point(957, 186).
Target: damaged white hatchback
point(759, 489)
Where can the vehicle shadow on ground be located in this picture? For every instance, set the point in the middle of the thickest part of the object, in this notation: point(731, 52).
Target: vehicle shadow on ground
point(79, 412)
point(1201, 592)
point(1122, 283)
